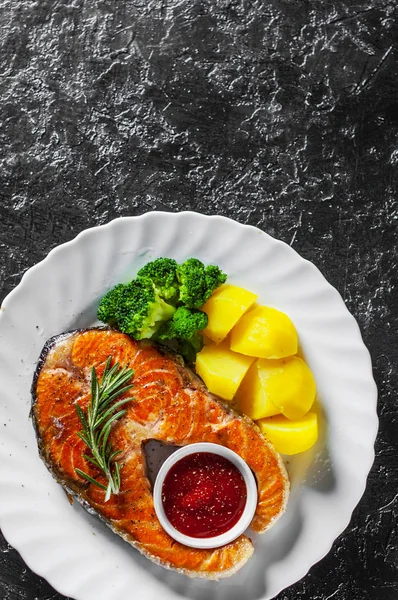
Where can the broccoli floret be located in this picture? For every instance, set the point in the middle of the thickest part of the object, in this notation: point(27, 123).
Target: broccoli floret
point(162, 273)
point(214, 278)
point(189, 348)
point(107, 307)
point(197, 282)
point(183, 330)
point(136, 308)
point(184, 324)
point(192, 283)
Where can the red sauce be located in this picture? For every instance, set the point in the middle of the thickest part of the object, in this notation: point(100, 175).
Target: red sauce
point(204, 495)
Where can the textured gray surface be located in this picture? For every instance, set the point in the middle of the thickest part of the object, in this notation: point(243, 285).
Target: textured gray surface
point(281, 114)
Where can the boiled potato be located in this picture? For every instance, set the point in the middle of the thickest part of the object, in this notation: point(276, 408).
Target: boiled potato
point(221, 369)
point(224, 308)
point(289, 384)
point(264, 332)
point(290, 437)
point(252, 398)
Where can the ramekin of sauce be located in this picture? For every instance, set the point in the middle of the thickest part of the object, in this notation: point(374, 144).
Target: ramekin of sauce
point(205, 495)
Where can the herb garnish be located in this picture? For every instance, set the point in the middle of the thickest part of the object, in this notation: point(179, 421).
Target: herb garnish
point(98, 420)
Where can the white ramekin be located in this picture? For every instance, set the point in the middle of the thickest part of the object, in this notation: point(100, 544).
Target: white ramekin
point(248, 512)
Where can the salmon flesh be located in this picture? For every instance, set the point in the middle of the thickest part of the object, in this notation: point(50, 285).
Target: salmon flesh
point(168, 403)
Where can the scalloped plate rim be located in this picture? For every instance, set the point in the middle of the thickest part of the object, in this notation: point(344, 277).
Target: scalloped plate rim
point(323, 549)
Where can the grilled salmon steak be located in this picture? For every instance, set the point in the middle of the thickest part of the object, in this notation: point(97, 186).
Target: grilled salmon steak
point(168, 403)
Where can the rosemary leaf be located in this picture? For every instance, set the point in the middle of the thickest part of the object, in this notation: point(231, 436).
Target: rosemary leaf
point(90, 479)
point(109, 411)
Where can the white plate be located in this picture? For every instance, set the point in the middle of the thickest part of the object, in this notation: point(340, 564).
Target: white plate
point(77, 554)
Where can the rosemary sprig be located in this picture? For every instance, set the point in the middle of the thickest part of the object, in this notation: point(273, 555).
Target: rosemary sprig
point(98, 420)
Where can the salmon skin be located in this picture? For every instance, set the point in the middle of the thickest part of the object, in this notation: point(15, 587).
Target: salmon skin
point(168, 403)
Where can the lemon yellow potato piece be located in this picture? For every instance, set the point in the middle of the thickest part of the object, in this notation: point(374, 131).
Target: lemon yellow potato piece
point(264, 332)
point(290, 437)
point(224, 308)
point(221, 369)
point(252, 398)
point(289, 384)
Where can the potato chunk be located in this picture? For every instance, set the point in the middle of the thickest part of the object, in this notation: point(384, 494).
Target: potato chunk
point(221, 369)
point(224, 308)
point(252, 398)
point(290, 437)
point(264, 332)
point(289, 384)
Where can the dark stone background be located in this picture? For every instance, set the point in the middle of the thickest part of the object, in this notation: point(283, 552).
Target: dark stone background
point(282, 114)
